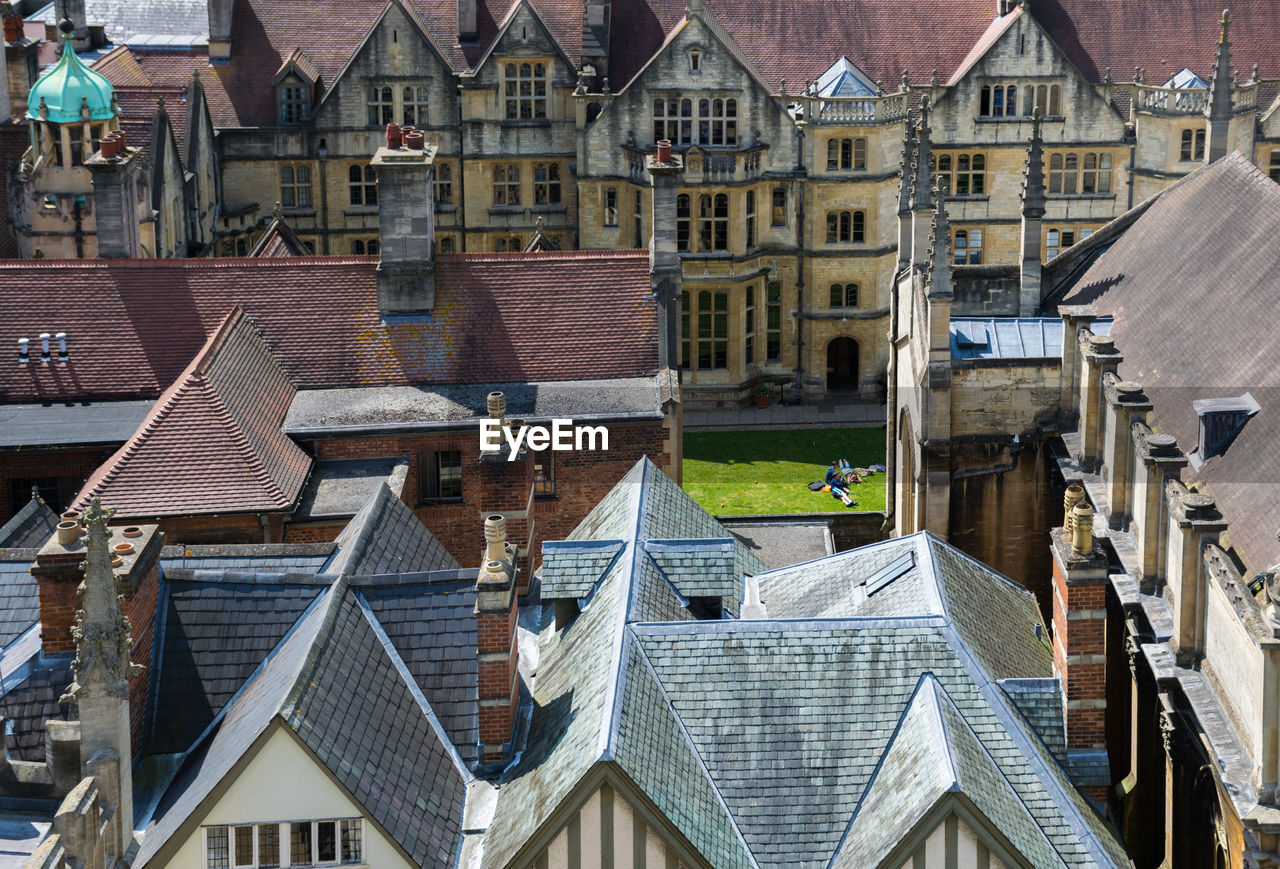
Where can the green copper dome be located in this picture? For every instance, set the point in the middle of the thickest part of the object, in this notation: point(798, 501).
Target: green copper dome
point(69, 86)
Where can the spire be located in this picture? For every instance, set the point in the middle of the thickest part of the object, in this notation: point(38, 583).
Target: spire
point(1033, 176)
point(939, 274)
point(1220, 82)
point(102, 667)
point(1219, 109)
point(922, 165)
point(908, 158)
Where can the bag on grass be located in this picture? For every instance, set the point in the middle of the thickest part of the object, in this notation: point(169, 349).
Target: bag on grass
point(816, 486)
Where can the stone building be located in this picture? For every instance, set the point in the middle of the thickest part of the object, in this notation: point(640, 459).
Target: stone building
point(1131, 400)
point(66, 199)
point(306, 381)
point(546, 112)
point(368, 702)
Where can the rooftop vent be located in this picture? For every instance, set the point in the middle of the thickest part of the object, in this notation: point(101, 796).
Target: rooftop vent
point(1221, 421)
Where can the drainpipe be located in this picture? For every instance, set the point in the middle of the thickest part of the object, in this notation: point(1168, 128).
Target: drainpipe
point(800, 211)
point(79, 216)
point(324, 201)
point(462, 179)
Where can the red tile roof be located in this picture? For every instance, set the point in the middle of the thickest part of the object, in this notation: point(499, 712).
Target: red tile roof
point(138, 112)
point(279, 241)
point(134, 325)
point(212, 443)
point(1191, 285)
point(884, 39)
point(169, 70)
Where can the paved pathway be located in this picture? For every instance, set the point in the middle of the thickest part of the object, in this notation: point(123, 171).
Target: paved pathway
point(826, 414)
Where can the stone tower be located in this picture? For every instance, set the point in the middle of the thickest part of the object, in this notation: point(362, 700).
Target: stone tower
point(1218, 111)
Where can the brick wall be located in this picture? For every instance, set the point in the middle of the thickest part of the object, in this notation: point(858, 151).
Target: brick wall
point(312, 533)
point(582, 479)
point(73, 466)
point(1079, 649)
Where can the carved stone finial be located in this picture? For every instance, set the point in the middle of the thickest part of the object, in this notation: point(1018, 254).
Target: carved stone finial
point(933, 78)
point(906, 85)
point(1106, 77)
point(1253, 77)
point(604, 86)
point(101, 632)
point(1033, 199)
point(922, 165)
point(277, 211)
point(581, 87)
point(84, 108)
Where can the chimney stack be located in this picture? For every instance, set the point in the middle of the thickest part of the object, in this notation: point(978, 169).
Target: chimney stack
point(1079, 647)
point(496, 644)
point(73, 11)
point(665, 275)
point(467, 21)
point(115, 168)
point(406, 224)
point(221, 14)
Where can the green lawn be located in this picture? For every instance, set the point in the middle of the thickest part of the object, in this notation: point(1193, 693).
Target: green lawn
point(740, 472)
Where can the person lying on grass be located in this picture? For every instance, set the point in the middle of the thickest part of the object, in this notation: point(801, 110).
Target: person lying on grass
point(839, 488)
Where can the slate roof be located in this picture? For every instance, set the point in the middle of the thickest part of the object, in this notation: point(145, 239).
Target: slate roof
point(387, 537)
point(1182, 348)
point(251, 558)
point(320, 318)
point(32, 701)
point(19, 593)
point(759, 740)
point(65, 423)
point(212, 442)
point(334, 680)
point(571, 568)
point(183, 21)
point(432, 624)
point(919, 36)
point(30, 527)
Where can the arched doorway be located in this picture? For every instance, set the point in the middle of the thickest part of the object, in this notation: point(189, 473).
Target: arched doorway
point(842, 365)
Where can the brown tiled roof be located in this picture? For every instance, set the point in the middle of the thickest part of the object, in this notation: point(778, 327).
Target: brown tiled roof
point(212, 443)
point(1191, 285)
point(121, 68)
point(134, 325)
point(138, 113)
point(279, 241)
point(171, 70)
point(918, 36)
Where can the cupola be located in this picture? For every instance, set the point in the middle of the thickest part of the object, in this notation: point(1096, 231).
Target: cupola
point(65, 92)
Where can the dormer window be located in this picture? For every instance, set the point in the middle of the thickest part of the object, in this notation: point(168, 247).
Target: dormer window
point(695, 60)
point(295, 84)
point(1221, 421)
point(294, 104)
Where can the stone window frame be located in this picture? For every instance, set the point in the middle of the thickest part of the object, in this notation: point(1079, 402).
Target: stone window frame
point(846, 153)
point(295, 193)
point(293, 101)
point(1076, 173)
point(773, 322)
point(1057, 239)
point(444, 183)
point(687, 119)
point(546, 183)
point(713, 222)
point(380, 105)
point(778, 206)
point(525, 89)
point(684, 223)
point(1192, 144)
point(846, 227)
point(966, 245)
point(998, 100)
point(544, 475)
point(415, 105)
point(610, 215)
point(366, 247)
point(506, 184)
point(749, 210)
point(749, 325)
point(712, 342)
point(843, 295)
point(508, 244)
point(962, 173)
point(362, 185)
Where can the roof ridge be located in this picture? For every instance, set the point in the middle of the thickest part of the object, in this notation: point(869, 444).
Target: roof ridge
point(921, 684)
point(344, 556)
point(693, 748)
point(337, 594)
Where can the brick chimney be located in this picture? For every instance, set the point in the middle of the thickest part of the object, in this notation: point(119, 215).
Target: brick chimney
point(665, 274)
point(115, 168)
point(58, 571)
point(406, 223)
point(1079, 645)
point(496, 643)
point(220, 18)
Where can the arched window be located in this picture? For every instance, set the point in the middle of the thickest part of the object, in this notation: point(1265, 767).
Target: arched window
point(845, 226)
point(844, 295)
point(363, 185)
point(382, 106)
point(446, 244)
point(414, 100)
point(967, 244)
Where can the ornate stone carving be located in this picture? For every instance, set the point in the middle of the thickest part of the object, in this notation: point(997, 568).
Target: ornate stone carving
point(101, 632)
